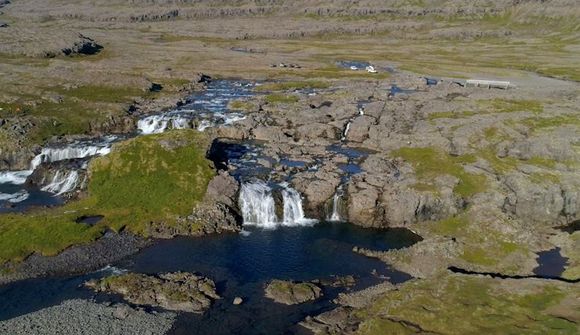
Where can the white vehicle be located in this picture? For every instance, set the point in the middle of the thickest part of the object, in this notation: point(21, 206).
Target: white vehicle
point(354, 68)
point(371, 69)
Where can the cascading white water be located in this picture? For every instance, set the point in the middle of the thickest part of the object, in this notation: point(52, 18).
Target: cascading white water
point(345, 132)
point(156, 124)
point(259, 208)
point(336, 203)
point(14, 177)
point(257, 204)
point(62, 182)
point(49, 155)
point(293, 212)
point(14, 197)
point(203, 125)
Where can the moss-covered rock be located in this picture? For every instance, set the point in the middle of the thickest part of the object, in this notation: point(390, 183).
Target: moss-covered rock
point(292, 293)
point(179, 291)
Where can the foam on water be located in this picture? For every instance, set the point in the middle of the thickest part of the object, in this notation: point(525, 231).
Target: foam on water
point(14, 197)
point(14, 177)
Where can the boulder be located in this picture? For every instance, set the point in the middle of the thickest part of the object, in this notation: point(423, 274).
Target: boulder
point(292, 293)
point(317, 188)
point(532, 201)
point(219, 210)
point(359, 128)
point(82, 46)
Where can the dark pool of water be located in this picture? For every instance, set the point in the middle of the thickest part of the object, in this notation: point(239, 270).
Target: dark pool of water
point(241, 265)
point(550, 263)
point(397, 90)
point(351, 153)
point(36, 198)
point(350, 168)
point(431, 81)
point(90, 220)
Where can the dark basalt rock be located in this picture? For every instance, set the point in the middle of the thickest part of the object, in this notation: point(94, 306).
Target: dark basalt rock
point(85, 46)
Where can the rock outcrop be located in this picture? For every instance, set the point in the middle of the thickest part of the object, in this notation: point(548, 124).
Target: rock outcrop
point(179, 291)
point(292, 293)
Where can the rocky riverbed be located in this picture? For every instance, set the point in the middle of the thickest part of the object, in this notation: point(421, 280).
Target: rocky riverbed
point(112, 154)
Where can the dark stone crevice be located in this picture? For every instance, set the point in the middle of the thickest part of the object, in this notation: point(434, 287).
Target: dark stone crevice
point(498, 275)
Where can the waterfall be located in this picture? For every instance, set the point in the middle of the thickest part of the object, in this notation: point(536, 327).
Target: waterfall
point(49, 155)
point(259, 208)
point(156, 124)
point(346, 129)
point(293, 212)
point(14, 197)
point(62, 183)
point(336, 206)
point(257, 204)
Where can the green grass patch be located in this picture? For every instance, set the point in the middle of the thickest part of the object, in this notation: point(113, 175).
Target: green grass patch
point(242, 105)
point(151, 178)
point(511, 106)
point(430, 163)
point(281, 98)
point(478, 256)
point(155, 178)
point(44, 232)
point(454, 304)
point(499, 165)
point(539, 123)
point(107, 94)
point(451, 226)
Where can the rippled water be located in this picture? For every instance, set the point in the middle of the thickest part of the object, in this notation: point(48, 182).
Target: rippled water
point(241, 265)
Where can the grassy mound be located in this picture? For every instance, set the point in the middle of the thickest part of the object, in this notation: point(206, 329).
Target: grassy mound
point(147, 179)
point(472, 305)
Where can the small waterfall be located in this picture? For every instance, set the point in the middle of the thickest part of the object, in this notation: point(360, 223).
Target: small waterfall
point(62, 183)
point(346, 129)
point(156, 124)
point(259, 208)
point(14, 197)
point(49, 155)
point(257, 204)
point(336, 206)
point(293, 212)
point(203, 125)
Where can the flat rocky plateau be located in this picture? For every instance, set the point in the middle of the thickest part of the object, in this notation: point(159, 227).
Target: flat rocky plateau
point(489, 178)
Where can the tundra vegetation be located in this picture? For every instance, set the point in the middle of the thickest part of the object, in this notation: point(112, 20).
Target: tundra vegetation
point(487, 177)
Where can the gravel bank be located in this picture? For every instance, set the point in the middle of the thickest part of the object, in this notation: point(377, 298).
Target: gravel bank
point(83, 317)
point(78, 259)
